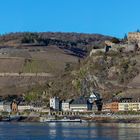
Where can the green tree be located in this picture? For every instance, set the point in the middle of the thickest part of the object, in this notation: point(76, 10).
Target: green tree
point(115, 40)
point(125, 37)
point(138, 30)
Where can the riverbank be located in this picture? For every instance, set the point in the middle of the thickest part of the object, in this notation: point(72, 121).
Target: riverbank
point(19, 119)
point(95, 119)
point(113, 118)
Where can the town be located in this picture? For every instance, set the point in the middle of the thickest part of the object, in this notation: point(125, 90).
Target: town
point(90, 105)
point(85, 106)
point(69, 70)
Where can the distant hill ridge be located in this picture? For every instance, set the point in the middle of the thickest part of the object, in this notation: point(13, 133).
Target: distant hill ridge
point(64, 40)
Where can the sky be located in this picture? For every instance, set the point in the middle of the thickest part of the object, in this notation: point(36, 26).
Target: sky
point(108, 17)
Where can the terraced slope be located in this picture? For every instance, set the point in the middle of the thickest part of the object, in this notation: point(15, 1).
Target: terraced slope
point(51, 60)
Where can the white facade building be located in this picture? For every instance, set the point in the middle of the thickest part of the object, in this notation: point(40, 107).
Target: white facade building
point(78, 107)
point(7, 106)
point(37, 108)
point(129, 106)
point(23, 107)
point(1, 106)
point(66, 105)
point(55, 103)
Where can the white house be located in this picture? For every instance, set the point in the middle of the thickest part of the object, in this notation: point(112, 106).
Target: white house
point(79, 105)
point(129, 106)
point(1, 106)
point(7, 106)
point(55, 103)
point(66, 105)
point(22, 106)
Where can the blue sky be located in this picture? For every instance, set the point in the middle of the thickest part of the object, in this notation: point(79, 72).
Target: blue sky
point(110, 17)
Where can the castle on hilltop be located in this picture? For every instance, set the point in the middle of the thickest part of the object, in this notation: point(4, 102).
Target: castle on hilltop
point(134, 37)
point(131, 45)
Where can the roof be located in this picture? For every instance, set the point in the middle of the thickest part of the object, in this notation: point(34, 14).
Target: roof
point(37, 104)
point(129, 101)
point(22, 103)
point(80, 100)
point(125, 99)
point(68, 101)
point(54, 97)
point(97, 95)
point(7, 103)
point(1, 102)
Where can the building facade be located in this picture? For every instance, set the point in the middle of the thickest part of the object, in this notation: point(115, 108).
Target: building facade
point(66, 105)
point(129, 106)
point(7, 106)
point(14, 107)
point(134, 37)
point(22, 106)
point(81, 104)
point(111, 106)
point(55, 103)
point(78, 107)
point(1, 106)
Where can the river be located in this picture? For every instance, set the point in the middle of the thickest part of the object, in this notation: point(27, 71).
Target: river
point(69, 131)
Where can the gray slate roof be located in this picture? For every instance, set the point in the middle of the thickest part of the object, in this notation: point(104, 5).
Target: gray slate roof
point(68, 101)
point(80, 100)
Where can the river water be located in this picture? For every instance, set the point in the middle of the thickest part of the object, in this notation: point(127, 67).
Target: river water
point(69, 131)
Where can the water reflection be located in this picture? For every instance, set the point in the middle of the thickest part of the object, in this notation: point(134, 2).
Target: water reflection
point(70, 131)
point(132, 131)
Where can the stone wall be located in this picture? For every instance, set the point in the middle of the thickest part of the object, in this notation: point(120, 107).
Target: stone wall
point(134, 37)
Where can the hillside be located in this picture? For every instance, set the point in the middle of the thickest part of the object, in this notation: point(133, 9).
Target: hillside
point(114, 74)
point(48, 52)
point(69, 41)
point(66, 57)
point(31, 59)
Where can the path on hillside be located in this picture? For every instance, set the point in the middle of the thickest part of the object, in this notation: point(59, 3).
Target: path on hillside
point(26, 75)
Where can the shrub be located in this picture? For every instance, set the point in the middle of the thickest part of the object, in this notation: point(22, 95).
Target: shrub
point(115, 40)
